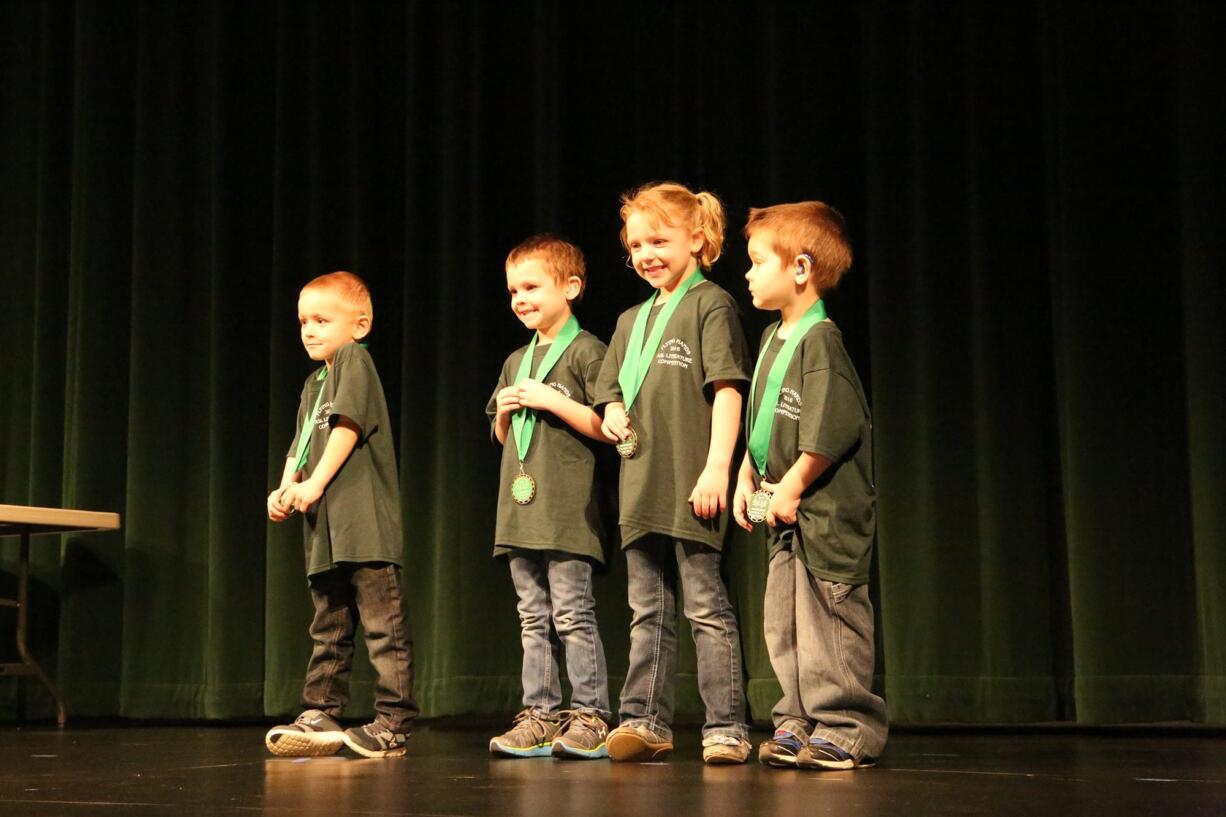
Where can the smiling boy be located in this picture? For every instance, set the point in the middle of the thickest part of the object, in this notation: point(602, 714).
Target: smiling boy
point(340, 473)
point(808, 473)
point(548, 519)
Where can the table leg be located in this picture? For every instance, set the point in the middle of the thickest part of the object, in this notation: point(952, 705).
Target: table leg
point(23, 618)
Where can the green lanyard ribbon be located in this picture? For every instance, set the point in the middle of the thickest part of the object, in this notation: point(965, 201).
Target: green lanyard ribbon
point(639, 354)
point(759, 433)
point(308, 425)
point(524, 420)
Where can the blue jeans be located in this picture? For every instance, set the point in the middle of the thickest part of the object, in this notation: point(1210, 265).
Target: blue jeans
point(819, 635)
point(557, 610)
point(654, 564)
point(369, 592)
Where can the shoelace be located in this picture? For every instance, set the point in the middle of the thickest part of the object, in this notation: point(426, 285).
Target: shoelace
point(534, 722)
point(575, 718)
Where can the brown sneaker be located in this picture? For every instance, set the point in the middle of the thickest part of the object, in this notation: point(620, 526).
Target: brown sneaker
point(725, 749)
point(637, 744)
point(583, 736)
point(531, 736)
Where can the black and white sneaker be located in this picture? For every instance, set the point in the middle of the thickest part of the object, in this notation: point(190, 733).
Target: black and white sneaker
point(313, 734)
point(372, 740)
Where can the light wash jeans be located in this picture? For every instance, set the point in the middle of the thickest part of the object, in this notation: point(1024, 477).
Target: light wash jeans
point(654, 564)
point(819, 635)
point(369, 592)
point(557, 610)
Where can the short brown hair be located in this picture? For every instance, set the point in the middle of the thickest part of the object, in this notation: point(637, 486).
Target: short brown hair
point(807, 228)
point(560, 258)
point(351, 289)
point(678, 206)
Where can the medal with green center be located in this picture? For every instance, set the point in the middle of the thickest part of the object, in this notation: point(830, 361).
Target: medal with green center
point(523, 487)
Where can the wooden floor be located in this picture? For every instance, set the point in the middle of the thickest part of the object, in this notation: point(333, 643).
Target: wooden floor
point(225, 770)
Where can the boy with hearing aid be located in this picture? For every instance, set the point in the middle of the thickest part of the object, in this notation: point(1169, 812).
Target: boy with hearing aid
point(808, 474)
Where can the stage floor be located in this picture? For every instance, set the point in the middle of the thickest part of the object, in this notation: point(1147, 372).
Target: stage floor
point(225, 770)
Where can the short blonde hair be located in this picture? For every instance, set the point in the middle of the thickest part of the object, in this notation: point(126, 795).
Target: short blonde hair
point(677, 206)
point(351, 289)
point(560, 258)
point(807, 228)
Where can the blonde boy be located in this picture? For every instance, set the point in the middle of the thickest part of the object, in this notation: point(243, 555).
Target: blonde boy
point(808, 474)
point(340, 473)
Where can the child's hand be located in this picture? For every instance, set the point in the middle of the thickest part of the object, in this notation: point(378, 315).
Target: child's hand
point(616, 425)
point(278, 509)
point(710, 494)
point(508, 400)
point(534, 394)
point(302, 496)
point(740, 502)
point(783, 505)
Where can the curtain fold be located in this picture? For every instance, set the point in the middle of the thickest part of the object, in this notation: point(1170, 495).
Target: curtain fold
point(1034, 193)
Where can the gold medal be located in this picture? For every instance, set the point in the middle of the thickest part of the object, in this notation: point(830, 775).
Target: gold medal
point(629, 446)
point(759, 503)
point(523, 487)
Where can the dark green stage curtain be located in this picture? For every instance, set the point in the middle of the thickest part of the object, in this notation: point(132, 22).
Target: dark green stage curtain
point(1035, 192)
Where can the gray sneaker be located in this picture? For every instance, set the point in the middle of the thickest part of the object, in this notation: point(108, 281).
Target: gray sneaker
point(313, 734)
point(531, 736)
point(373, 740)
point(581, 736)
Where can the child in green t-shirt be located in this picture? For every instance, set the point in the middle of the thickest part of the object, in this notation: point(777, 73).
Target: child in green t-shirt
point(548, 518)
point(671, 390)
point(340, 473)
point(808, 473)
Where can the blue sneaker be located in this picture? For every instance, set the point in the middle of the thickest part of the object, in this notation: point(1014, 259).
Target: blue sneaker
point(582, 736)
point(822, 754)
point(781, 750)
point(531, 736)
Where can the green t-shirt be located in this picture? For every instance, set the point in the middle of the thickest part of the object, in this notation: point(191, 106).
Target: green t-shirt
point(703, 343)
point(358, 517)
point(822, 410)
point(564, 514)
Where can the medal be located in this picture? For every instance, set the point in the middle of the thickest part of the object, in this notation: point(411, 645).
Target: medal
point(759, 503)
point(641, 351)
point(758, 434)
point(629, 446)
point(523, 487)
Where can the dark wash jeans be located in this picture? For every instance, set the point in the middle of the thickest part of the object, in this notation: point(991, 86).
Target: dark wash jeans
point(368, 592)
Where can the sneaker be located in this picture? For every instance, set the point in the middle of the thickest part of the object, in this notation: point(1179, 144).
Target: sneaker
point(531, 736)
point(373, 740)
point(725, 749)
point(313, 734)
point(581, 736)
point(637, 743)
point(822, 754)
point(781, 750)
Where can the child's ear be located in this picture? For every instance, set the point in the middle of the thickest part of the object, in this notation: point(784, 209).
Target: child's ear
point(361, 327)
point(573, 287)
point(802, 266)
point(697, 240)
